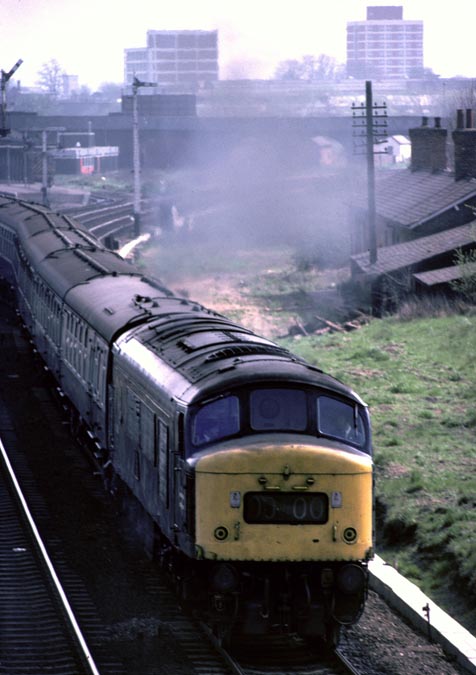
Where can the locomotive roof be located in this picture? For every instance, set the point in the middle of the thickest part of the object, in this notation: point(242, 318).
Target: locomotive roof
point(112, 304)
point(211, 352)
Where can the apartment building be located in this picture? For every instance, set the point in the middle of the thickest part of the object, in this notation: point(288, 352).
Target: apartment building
point(188, 58)
point(385, 46)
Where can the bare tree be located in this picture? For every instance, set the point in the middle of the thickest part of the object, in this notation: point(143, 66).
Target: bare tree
point(450, 97)
point(50, 77)
point(111, 90)
point(309, 68)
point(288, 70)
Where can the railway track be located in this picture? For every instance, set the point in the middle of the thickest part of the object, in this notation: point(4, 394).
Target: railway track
point(111, 219)
point(106, 220)
point(38, 629)
point(282, 654)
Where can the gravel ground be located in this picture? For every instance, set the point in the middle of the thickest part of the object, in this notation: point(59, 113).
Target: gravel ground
point(388, 645)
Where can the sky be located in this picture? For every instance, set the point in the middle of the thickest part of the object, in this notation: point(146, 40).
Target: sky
point(88, 38)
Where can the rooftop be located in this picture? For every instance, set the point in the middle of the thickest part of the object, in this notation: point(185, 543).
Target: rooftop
point(409, 198)
point(398, 256)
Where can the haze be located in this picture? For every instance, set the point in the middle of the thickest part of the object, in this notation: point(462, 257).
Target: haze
point(254, 35)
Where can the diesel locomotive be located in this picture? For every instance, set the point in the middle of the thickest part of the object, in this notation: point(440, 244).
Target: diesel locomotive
point(253, 468)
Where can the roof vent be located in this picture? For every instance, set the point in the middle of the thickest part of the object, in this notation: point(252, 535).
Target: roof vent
point(245, 350)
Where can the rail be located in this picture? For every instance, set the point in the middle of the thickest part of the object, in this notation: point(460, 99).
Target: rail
point(78, 649)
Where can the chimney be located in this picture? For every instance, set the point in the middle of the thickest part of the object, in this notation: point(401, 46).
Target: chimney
point(469, 118)
point(428, 146)
point(464, 139)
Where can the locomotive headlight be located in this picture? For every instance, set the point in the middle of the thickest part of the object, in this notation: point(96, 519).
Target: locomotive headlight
point(223, 578)
point(350, 535)
point(350, 579)
point(220, 533)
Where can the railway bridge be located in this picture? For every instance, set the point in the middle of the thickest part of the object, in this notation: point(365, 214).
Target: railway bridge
point(183, 140)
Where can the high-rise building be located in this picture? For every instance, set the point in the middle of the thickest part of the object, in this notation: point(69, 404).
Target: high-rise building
point(174, 57)
point(385, 46)
point(70, 85)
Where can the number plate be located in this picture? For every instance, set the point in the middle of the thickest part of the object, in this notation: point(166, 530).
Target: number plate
point(286, 507)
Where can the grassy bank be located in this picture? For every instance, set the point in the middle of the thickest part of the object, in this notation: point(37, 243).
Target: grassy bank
point(419, 379)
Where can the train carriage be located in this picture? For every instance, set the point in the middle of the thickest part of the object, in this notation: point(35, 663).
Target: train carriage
point(253, 469)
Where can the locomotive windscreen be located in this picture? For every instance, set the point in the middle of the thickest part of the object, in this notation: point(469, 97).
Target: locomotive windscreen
point(271, 409)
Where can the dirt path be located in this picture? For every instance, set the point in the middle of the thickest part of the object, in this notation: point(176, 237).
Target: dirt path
point(229, 295)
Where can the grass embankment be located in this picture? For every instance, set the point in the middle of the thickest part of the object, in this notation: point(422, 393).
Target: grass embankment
point(419, 379)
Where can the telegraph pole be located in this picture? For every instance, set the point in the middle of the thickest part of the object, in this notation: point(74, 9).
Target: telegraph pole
point(375, 129)
point(4, 131)
point(370, 173)
point(44, 168)
point(136, 84)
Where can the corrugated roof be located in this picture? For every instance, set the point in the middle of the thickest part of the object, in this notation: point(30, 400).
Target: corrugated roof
point(445, 274)
point(398, 256)
point(410, 198)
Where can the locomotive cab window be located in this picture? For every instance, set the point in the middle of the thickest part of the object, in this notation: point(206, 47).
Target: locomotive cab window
point(216, 420)
point(340, 420)
point(278, 409)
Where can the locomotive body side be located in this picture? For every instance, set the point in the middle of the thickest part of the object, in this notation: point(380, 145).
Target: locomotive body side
point(143, 428)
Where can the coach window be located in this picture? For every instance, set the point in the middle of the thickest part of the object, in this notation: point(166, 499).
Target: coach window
point(85, 352)
point(57, 313)
point(79, 347)
point(163, 463)
point(66, 334)
point(48, 311)
point(68, 337)
point(102, 373)
point(71, 338)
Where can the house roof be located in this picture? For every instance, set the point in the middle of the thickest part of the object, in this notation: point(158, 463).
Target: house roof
point(409, 198)
point(445, 274)
point(401, 140)
point(398, 256)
